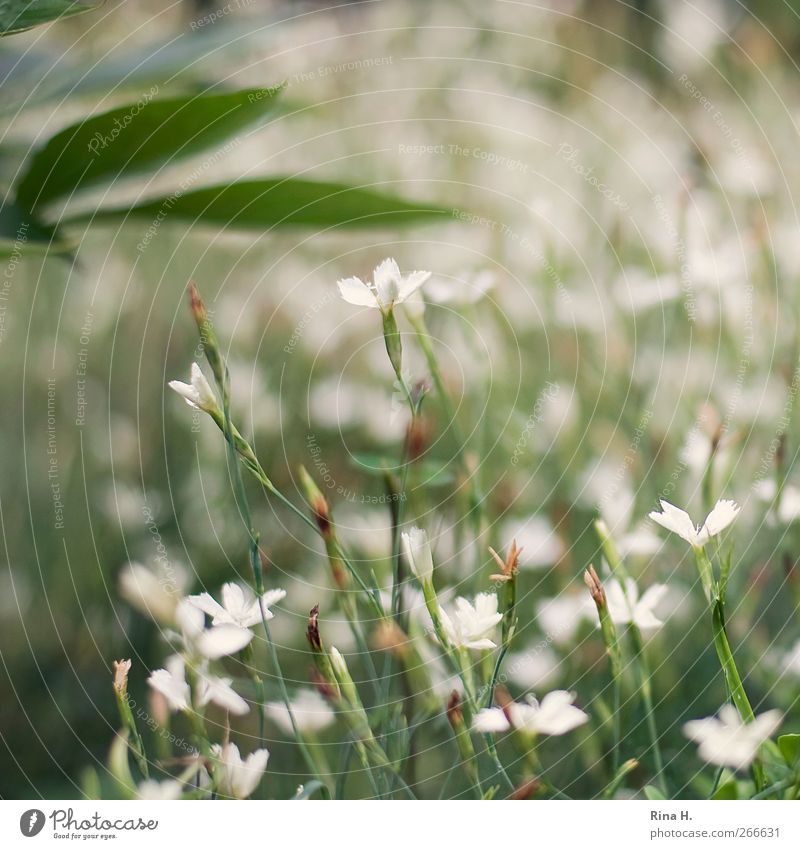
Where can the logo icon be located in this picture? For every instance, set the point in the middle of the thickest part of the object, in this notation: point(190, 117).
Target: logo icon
point(31, 822)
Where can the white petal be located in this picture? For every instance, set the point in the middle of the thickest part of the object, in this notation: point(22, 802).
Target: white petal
point(490, 721)
point(222, 640)
point(411, 283)
point(356, 291)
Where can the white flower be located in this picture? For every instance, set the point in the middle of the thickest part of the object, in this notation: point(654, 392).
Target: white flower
point(155, 595)
point(791, 660)
point(458, 292)
point(789, 505)
point(560, 617)
point(311, 713)
point(157, 790)
point(388, 288)
point(239, 778)
point(554, 715)
point(418, 553)
point(214, 642)
point(198, 393)
point(727, 741)
point(239, 607)
point(210, 688)
point(171, 683)
point(679, 522)
point(540, 545)
point(625, 607)
point(472, 625)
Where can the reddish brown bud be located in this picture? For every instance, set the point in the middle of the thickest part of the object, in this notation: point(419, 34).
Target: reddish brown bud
point(312, 632)
point(528, 788)
point(455, 716)
point(322, 686)
point(592, 581)
point(508, 567)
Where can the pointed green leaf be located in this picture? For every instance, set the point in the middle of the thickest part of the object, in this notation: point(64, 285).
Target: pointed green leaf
point(728, 790)
point(789, 745)
point(653, 793)
point(21, 233)
point(137, 137)
point(19, 15)
point(263, 204)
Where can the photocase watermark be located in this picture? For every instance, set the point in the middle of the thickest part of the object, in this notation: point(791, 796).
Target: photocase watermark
point(80, 370)
point(300, 328)
point(680, 252)
point(331, 70)
point(487, 156)
point(8, 274)
point(168, 580)
point(537, 414)
point(218, 14)
point(184, 186)
point(52, 457)
point(345, 493)
point(570, 154)
point(100, 141)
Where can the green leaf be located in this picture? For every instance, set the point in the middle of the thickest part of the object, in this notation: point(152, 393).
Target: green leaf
point(263, 204)
point(433, 472)
point(789, 745)
point(21, 233)
point(19, 15)
point(653, 793)
point(137, 137)
point(728, 790)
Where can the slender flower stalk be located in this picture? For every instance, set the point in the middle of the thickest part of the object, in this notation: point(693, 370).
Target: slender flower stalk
point(120, 683)
point(609, 632)
point(466, 751)
point(641, 666)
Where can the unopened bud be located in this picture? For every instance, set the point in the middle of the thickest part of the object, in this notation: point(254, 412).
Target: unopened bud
point(592, 581)
point(508, 567)
point(121, 669)
point(312, 632)
point(317, 502)
point(455, 715)
point(526, 790)
point(389, 636)
point(322, 686)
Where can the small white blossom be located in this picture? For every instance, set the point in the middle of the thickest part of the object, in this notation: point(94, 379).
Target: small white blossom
point(626, 607)
point(554, 715)
point(210, 688)
point(458, 292)
point(417, 550)
point(214, 642)
point(679, 522)
point(171, 683)
point(154, 594)
point(159, 790)
point(311, 713)
point(239, 607)
point(197, 394)
point(388, 287)
point(239, 778)
point(727, 741)
point(472, 625)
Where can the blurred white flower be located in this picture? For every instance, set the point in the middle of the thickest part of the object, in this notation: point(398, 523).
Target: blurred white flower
point(791, 660)
point(679, 522)
point(171, 683)
point(625, 609)
point(554, 715)
point(789, 504)
point(466, 289)
point(239, 778)
point(472, 625)
point(211, 688)
point(417, 550)
point(158, 790)
point(214, 642)
point(537, 667)
point(239, 606)
point(198, 393)
point(561, 616)
point(727, 741)
point(539, 543)
point(311, 712)
point(388, 287)
point(155, 595)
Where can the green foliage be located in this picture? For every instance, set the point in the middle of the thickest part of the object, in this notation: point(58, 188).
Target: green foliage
point(19, 15)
